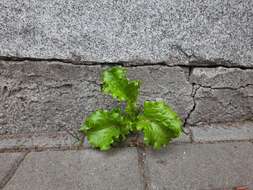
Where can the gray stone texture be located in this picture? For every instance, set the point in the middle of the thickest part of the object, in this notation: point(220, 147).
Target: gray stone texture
point(7, 164)
point(178, 32)
point(201, 166)
point(44, 97)
point(221, 77)
point(53, 96)
point(235, 131)
point(76, 170)
point(184, 138)
point(38, 141)
point(165, 83)
point(64, 141)
point(222, 95)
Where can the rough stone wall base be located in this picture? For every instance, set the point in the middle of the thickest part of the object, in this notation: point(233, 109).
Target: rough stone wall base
point(50, 97)
point(195, 55)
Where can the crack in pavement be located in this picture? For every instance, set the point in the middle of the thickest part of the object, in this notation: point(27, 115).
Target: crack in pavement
point(12, 171)
point(143, 168)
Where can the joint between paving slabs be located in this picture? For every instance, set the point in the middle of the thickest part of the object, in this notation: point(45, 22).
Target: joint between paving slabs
point(143, 167)
point(13, 170)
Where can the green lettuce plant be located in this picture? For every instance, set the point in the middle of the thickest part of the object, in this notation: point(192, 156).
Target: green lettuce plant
point(158, 122)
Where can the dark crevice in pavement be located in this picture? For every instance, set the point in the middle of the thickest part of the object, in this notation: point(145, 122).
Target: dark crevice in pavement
point(197, 62)
point(143, 168)
point(13, 170)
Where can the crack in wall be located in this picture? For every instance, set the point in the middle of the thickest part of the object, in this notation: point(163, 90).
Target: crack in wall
point(193, 94)
point(197, 62)
point(226, 88)
point(184, 52)
point(86, 63)
point(195, 88)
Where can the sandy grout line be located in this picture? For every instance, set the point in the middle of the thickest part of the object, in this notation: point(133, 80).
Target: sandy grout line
point(143, 167)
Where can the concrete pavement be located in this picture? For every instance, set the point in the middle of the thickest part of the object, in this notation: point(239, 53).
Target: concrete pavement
point(208, 166)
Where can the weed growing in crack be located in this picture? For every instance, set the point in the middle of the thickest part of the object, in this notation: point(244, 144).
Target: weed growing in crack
point(158, 122)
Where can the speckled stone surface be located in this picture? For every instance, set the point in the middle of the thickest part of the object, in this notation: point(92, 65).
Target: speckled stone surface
point(8, 162)
point(236, 131)
point(201, 166)
point(175, 31)
point(222, 95)
point(53, 96)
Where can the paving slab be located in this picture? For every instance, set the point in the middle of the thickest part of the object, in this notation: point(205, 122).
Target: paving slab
point(184, 138)
point(201, 166)
point(112, 31)
point(76, 170)
point(236, 131)
point(8, 164)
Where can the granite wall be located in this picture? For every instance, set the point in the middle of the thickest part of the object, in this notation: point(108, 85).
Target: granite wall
point(196, 55)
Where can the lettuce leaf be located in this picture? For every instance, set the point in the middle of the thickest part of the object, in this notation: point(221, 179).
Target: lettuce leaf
point(159, 123)
point(116, 84)
point(103, 128)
